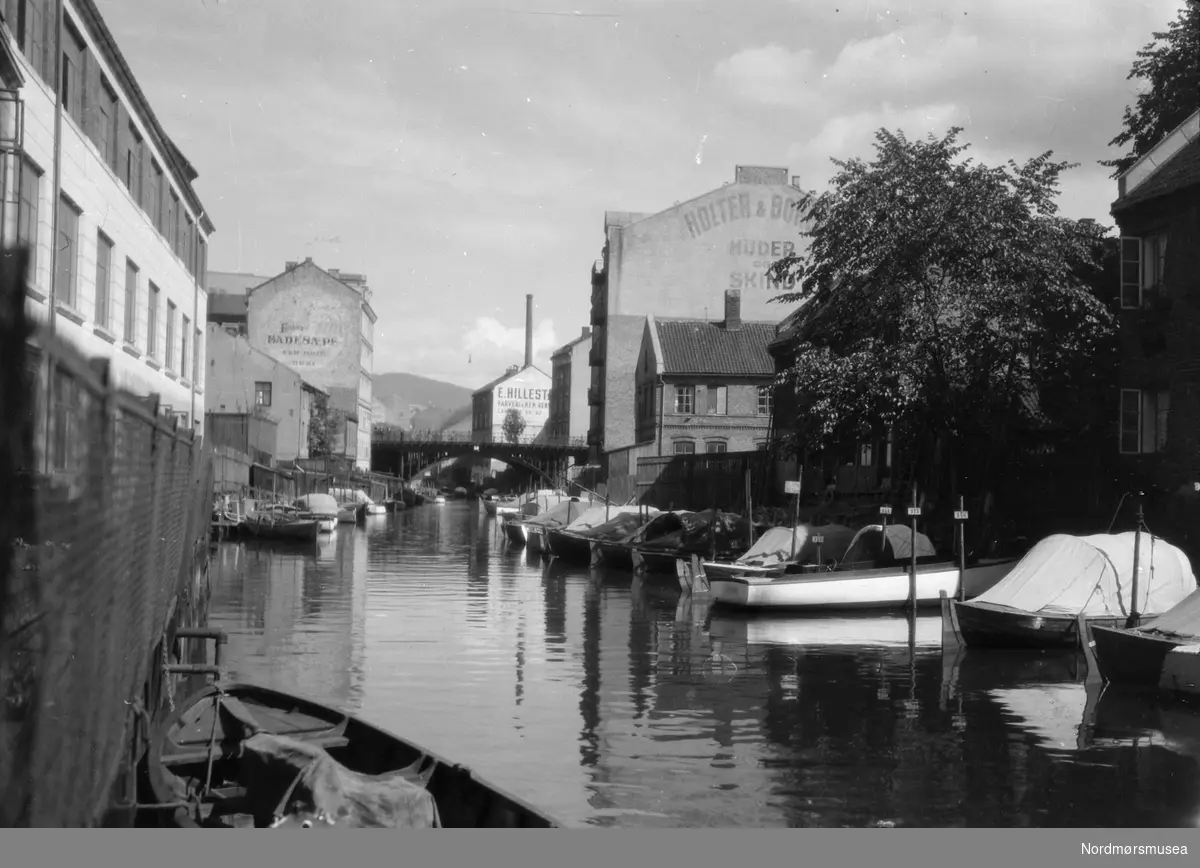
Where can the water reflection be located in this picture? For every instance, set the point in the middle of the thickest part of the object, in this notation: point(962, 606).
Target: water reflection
point(616, 701)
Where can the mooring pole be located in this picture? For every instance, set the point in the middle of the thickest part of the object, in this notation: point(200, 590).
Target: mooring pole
point(913, 511)
point(960, 516)
point(884, 512)
point(1132, 620)
point(796, 507)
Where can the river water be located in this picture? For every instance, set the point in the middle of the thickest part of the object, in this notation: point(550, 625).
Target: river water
point(608, 702)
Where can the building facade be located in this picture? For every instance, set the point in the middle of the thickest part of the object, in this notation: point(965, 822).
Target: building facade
point(1158, 408)
point(704, 386)
point(242, 379)
point(679, 263)
point(320, 323)
point(119, 238)
point(525, 390)
point(570, 375)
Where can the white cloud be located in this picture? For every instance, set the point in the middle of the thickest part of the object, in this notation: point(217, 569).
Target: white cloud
point(770, 74)
point(491, 339)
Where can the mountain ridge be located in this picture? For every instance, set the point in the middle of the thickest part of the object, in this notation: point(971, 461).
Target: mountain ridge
point(413, 402)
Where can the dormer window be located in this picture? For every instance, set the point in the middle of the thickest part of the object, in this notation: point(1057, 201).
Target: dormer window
point(1143, 263)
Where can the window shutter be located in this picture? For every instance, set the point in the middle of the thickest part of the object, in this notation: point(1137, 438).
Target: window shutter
point(93, 125)
point(124, 141)
point(1131, 272)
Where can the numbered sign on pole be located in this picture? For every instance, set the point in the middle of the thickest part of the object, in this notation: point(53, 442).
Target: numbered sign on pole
point(885, 510)
point(960, 515)
point(914, 510)
point(791, 486)
point(818, 538)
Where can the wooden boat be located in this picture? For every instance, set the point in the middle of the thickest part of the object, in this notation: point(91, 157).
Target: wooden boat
point(439, 498)
point(1163, 654)
point(1038, 603)
point(321, 508)
point(223, 749)
point(264, 526)
point(579, 516)
point(527, 530)
point(618, 553)
point(711, 532)
point(782, 547)
point(574, 544)
point(827, 631)
point(347, 513)
point(502, 505)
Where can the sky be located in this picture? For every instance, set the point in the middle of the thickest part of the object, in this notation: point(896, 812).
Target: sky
point(462, 154)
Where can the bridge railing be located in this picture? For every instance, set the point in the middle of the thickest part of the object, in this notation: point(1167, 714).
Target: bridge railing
point(395, 434)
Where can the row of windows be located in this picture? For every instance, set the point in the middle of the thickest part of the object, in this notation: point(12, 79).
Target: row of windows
point(717, 400)
point(91, 101)
point(66, 279)
point(688, 447)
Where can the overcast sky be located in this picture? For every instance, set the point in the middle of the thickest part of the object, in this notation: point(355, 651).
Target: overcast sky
point(462, 154)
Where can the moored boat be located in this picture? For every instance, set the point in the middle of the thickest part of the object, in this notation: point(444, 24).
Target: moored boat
point(347, 513)
point(1039, 602)
point(874, 573)
point(618, 553)
point(1163, 654)
point(240, 755)
point(574, 544)
point(781, 547)
point(527, 529)
point(710, 532)
point(321, 508)
point(278, 525)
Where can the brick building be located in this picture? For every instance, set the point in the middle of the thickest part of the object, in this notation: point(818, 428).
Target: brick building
point(118, 236)
point(569, 376)
point(704, 386)
point(1158, 213)
point(678, 263)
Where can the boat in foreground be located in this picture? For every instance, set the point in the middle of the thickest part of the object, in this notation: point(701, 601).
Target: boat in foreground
point(241, 755)
point(1062, 577)
point(278, 523)
point(1163, 654)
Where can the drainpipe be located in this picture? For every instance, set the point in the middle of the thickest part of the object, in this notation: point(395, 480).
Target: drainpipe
point(57, 169)
point(195, 313)
point(662, 392)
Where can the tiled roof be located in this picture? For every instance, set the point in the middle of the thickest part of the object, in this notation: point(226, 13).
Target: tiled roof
point(1182, 170)
point(699, 347)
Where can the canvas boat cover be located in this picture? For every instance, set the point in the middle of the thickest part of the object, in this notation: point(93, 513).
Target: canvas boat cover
point(1093, 575)
point(558, 514)
point(699, 528)
point(618, 528)
point(893, 543)
point(543, 502)
point(1180, 622)
point(596, 515)
point(775, 546)
point(318, 504)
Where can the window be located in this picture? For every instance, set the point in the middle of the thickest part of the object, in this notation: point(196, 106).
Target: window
point(189, 244)
point(169, 218)
point(27, 211)
point(169, 355)
point(152, 321)
point(1144, 417)
point(73, 56)
point(262, 395)
point(152, 201)
point(718, 400)
point(685, 447)
point(133, 164)
point(197, 370)
point(106, 124)
point(131, 276)
point(180, 241)
point(764, 400)
point(68, 252)
point(1143, 261)
point(185, 334)
point(685, 399)
point(202, 262)
point(715, 446)
point(104, 248)
point(33, 39)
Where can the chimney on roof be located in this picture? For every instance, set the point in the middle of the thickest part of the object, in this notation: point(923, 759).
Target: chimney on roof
point(335, 272)
point(733, 309)
point(796, 181)
point(528, 329)
point(587, 332)
point(308, 260)
point(288, 266)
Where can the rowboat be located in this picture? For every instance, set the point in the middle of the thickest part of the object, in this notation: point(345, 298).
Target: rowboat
point(781, 548)
point(347, 513)
point(321, 508)
point(709, 532)
point(574, 544)
point(265, 526)
point(241, 755)
point(527, 530)
point(1063, 577)
point(1163, 654)
point(585, 518)
point(439, 498)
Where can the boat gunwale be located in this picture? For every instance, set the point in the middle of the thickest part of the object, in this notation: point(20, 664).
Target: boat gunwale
point(830, 576)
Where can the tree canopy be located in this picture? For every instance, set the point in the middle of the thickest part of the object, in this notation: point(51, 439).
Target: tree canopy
point(937, 292)
point(513, 425)
point(1170, 65)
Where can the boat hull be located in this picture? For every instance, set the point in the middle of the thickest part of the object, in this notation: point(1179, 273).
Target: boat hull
point(883, 588)
point(347, 516)
point(179, 752)
point(983, 625)
point(535, 537)
point(515, 531)
point(616, 555)
point(293, 531)
point(570, 547)
point(1139, 659)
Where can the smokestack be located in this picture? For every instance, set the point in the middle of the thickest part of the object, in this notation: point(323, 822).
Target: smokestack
point(733, 309)
point(528, 330)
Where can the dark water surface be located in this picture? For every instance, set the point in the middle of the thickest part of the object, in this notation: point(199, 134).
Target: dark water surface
point(609, 702)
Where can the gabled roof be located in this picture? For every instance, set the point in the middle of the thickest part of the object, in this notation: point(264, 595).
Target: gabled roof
point(507, 376)
point(354, 287)
point(1171, 165)
point(700, 347)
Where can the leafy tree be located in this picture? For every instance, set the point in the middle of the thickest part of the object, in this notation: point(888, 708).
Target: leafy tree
point(326, 428)
point(940, 298)
point(1170, 64)
point(513, 426)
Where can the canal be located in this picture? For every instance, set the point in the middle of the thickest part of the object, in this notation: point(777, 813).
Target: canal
point(609, 703)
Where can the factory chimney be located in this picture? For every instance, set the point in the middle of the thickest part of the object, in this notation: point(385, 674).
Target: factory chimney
point(528, 330)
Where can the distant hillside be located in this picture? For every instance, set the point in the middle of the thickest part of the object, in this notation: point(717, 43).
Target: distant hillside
point(409, 401)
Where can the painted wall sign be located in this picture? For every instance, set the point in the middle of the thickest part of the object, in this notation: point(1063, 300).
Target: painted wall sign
point(310, 330)
point(529, 394)
point(742, 206)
